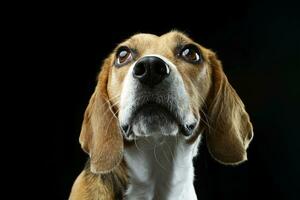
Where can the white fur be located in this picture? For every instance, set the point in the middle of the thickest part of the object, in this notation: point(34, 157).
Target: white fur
point(161, 168)
point(175, 92)
point(161, 161)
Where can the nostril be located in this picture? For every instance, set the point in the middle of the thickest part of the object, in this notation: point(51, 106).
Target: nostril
point(150, 70)
point(139, 70)
point(161, 69)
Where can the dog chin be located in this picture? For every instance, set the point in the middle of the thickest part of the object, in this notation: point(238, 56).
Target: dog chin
point(154, 123)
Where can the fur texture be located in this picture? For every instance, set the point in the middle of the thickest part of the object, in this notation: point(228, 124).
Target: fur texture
point(155, 161)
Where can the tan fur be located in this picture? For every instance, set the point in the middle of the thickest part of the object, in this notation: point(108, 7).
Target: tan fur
point(223, 117)
point(100, 131)
point(230, 130)
point(110, 186)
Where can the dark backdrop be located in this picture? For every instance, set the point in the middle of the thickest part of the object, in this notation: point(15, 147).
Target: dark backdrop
point(258, 43)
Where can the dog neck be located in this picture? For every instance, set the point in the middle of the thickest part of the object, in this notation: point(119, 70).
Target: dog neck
point(161, 168)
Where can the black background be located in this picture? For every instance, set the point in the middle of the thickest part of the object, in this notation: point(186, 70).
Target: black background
point(258, 43)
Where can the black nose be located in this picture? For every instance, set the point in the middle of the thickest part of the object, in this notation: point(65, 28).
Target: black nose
point(151, 70)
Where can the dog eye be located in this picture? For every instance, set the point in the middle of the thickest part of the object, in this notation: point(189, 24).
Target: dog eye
point(191, 54)
point(123, 56)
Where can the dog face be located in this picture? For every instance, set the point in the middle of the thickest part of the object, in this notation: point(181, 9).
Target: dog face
point(153, 86)
point(161, 83)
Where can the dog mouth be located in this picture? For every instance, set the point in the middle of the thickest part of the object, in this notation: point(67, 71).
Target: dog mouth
point(156, 117)
point(152, 108)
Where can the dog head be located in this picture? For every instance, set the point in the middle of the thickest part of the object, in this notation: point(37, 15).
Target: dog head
point(157, 86)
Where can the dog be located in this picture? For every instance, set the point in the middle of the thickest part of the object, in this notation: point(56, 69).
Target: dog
point(156, 97)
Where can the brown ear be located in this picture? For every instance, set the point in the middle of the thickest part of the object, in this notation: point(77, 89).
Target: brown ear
point(100, 136)
point(230, 130)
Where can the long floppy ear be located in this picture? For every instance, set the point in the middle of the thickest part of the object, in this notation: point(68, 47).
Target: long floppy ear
point(100, 136)
point(230, 130)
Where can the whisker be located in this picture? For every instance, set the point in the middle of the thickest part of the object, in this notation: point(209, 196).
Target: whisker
point(110, 106)
point(167, 158)
point(157, 158)
point(117, 111)
point(137, 146)
point(109, 123)
point(108, 101)
point(205, 118)
point(118, 95)
point(172, 156)
point(113, 116)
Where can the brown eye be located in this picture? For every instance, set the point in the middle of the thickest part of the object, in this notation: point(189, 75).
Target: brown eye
point(191, 53)
point(123, 56)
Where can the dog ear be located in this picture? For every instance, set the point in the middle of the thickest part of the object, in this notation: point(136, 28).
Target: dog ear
point(100, 135)
point(230, 130)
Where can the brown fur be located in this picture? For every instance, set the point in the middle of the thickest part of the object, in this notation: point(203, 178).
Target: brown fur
point(100, 131)
point(109, 186)
point(224, 120)
point(230, 130)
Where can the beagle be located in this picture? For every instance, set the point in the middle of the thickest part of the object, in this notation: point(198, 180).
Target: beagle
point(156, 97)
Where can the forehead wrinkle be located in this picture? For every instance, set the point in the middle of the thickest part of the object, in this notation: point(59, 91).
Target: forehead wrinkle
point(178, 37)
point(181, 40)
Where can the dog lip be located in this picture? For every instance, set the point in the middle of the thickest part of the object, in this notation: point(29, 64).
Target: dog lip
point(125, 128)
point(153, 104)
point(156, 106)
point(188, 129)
